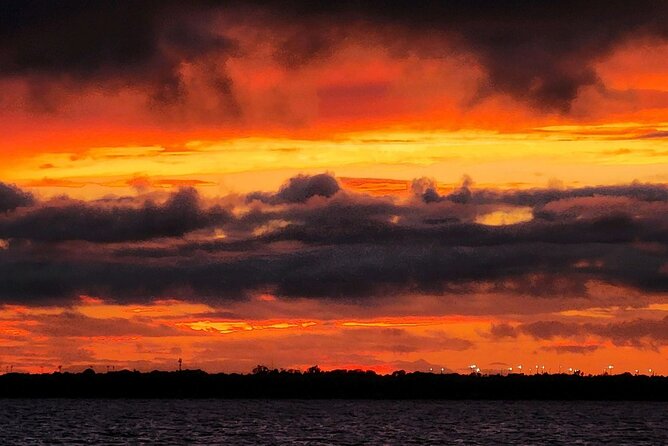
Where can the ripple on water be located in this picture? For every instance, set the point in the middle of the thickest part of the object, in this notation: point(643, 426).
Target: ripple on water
point(336, 422)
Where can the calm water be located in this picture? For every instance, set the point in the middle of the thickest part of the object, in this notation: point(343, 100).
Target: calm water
point(331, 422)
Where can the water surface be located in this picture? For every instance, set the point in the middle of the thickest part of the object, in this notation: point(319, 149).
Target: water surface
point(335, 422)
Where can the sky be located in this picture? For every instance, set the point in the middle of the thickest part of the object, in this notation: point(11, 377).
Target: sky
point(362, 185)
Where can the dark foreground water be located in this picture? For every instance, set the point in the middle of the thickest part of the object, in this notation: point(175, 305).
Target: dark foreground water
point(245, 422)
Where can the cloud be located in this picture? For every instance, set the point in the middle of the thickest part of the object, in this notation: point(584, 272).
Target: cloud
point(636, 333)
point(427, 190)
point(539, 53)
point(300, 189)
point(179, 214)
point(73, 324)
point(11, 197)
point(543, 54)
point(463, 193)
point(503, 331)
point(312, 240)
point(352, 273)
point(142, 44)
point(653, 135)
point(567, 349)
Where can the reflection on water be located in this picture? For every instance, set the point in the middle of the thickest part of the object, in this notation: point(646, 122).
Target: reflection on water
point(335, 422)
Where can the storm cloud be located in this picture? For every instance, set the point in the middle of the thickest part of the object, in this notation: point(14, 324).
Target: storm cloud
point(11, 197)
point(112, 44)
point(52, 222)
point(540, 53)
point(342, 245)
point(300, 188)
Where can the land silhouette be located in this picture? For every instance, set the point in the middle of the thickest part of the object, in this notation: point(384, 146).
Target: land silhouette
point(349, 384)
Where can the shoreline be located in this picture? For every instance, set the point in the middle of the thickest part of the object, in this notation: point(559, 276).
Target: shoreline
point(338, 384)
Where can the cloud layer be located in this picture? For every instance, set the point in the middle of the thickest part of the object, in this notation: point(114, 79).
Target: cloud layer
point(315, 240)
point(644, 333)
point(542, 54)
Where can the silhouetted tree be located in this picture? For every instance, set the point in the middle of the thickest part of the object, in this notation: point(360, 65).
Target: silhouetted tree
point(260, 370)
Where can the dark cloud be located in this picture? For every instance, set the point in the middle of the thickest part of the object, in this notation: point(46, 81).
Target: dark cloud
point(74, 324)
point(538, 52)
point(347, 246)
point(633, 332)
point(348, 272)
point(535, 197)
point(354, 228)
point(137, 44)
point(503, 331)
point(11, 197)
point(179, 214)
point(637, 332)
point(426, 189)
point(300, 188)
point(576, 349)
point(463, 193)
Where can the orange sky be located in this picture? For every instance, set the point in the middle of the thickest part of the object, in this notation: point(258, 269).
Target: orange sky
point(259, 100)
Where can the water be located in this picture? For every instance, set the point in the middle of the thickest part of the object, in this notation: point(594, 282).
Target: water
point(228, 422)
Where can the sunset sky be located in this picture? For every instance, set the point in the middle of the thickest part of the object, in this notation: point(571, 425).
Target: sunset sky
point(376, 185)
